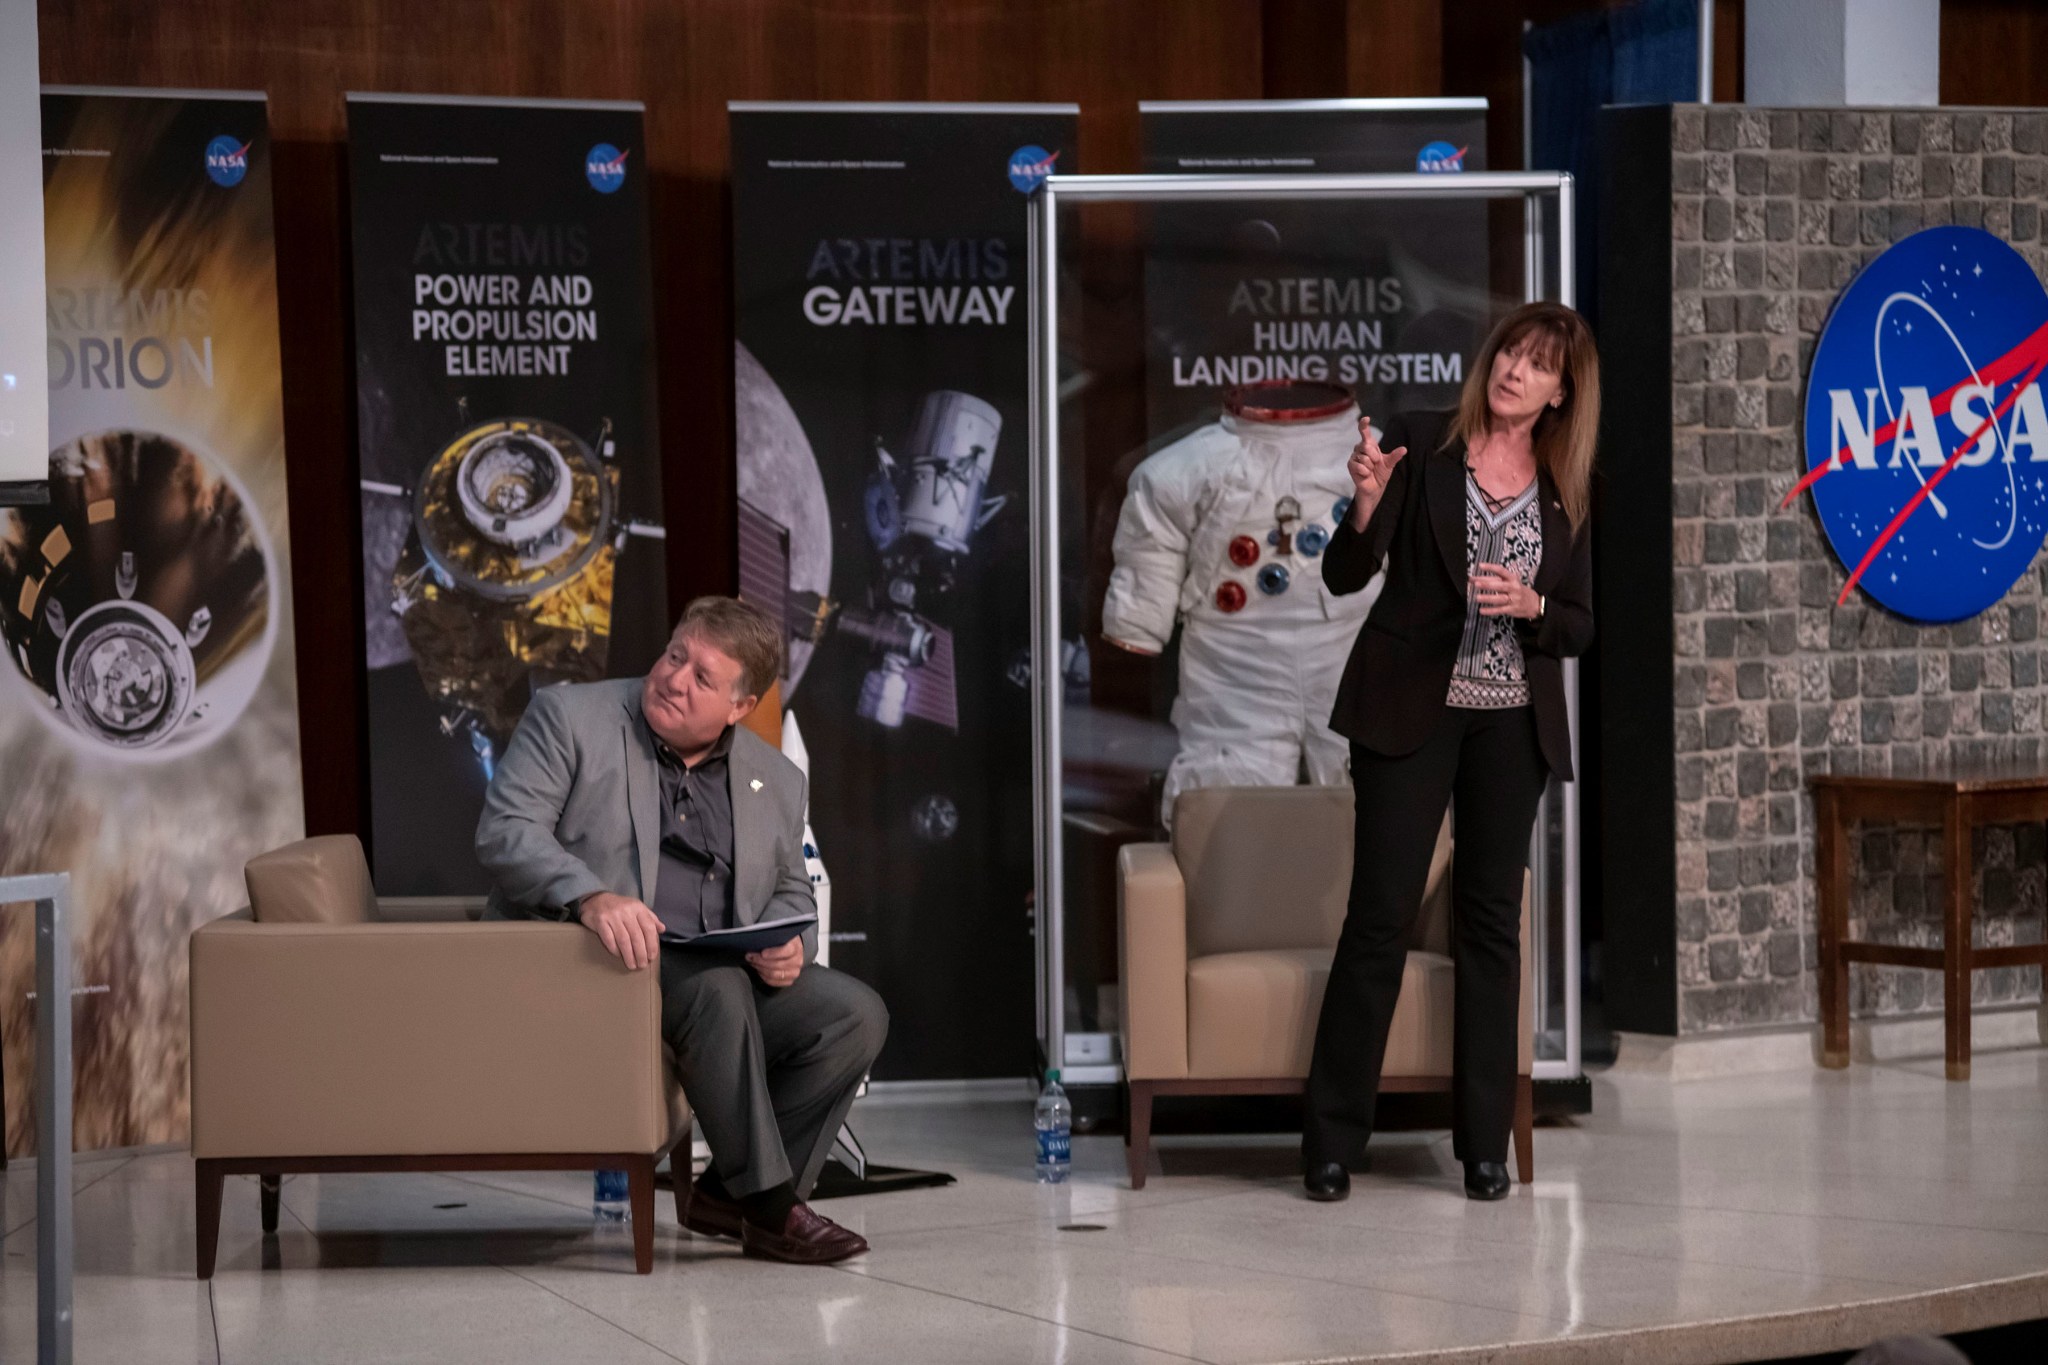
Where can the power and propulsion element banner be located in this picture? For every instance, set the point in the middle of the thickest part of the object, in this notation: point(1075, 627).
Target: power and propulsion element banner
point(881, 375)
point(1385, 297)
point(511, 484)
point(148, 703)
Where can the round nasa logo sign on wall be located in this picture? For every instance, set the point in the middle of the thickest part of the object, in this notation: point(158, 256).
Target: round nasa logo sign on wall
point(1029, 166)
point(604, 166)
point(1926, 431)
point(227, 161)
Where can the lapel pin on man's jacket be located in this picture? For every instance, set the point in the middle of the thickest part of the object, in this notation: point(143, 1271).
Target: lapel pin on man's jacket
point(755, 784)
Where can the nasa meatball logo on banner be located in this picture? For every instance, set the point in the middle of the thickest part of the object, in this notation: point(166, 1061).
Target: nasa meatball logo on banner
point(1440, 158)
point(1029, 166)
point(1926, 431)
point(227, 161)
point(605, 168)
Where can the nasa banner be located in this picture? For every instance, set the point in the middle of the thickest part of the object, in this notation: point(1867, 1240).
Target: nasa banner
point(881, 376)
point(511, 483)
point(1388, 299)
point(148, 703)
point(1926, 431)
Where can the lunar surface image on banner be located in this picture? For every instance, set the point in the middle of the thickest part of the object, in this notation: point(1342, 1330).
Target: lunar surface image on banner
point(148, 703)
point(511, 488)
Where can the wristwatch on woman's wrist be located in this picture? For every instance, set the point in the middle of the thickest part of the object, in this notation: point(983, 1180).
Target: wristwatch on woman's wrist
point(1541, 603)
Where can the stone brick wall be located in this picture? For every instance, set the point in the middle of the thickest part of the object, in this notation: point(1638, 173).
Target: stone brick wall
point(1773, 212)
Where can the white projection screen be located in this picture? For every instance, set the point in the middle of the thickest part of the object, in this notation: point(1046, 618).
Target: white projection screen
point(24, 383)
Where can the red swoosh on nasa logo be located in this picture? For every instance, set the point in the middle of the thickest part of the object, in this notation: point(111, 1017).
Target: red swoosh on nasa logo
point(2029, 351)
point(1892, 528)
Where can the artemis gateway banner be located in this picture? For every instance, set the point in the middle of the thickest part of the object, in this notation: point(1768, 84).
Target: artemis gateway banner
point(511, 483)
point(881, 373)
point(148, 706)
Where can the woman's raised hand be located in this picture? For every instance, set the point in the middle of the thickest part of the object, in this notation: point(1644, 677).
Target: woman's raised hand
point(1370, 469)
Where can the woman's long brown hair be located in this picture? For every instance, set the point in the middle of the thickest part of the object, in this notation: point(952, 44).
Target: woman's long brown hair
point(1565, 435)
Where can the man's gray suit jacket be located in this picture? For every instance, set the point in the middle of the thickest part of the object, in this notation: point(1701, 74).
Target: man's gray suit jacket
point(575, 808)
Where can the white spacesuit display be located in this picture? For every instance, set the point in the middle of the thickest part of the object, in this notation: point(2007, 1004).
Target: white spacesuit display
point(1225, 530)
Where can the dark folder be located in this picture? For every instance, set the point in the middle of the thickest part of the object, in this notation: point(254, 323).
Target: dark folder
point(746, 938)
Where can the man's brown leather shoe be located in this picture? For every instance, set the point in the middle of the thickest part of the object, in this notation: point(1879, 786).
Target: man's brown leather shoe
point(709, 1216)
point(806, 1238)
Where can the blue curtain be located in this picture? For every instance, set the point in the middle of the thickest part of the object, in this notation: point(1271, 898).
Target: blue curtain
point(1645, 53)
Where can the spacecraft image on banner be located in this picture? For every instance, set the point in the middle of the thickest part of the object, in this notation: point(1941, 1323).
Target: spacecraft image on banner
point(504, 583)
point(921, 511)
point(139, 598)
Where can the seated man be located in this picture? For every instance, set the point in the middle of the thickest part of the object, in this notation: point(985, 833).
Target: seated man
point(636, 806)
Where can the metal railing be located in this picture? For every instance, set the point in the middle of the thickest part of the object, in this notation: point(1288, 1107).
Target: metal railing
point(51, 895)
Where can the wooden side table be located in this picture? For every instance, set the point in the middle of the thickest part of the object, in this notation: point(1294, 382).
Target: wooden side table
point(1956, 804)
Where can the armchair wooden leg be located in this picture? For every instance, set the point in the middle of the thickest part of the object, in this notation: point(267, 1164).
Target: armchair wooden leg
point(270, 1186)
point(1138, 1133)
point(1525, 1129)
point(207, 1180)
point(640, 1196)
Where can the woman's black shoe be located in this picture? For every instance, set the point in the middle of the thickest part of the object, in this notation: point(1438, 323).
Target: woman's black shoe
point(1327, 1181)
point(1486, 1180)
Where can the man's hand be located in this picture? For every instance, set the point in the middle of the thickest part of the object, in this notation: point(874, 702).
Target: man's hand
point(779, 966)
point(628, 929)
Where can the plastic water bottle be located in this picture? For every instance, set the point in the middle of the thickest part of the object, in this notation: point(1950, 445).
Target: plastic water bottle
point(1054, 1120)
point(608, 1199)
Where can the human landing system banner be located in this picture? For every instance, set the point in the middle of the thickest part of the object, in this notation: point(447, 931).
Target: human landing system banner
point(1387, 298)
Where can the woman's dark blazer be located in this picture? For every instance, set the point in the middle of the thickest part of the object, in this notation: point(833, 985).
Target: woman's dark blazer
point(1393, 692)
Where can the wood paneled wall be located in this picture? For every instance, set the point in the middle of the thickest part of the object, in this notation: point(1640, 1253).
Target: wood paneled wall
point(685, 59)
point(1994, 52)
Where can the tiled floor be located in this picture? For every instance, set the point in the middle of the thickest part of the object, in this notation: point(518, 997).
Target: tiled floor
point(1816, 1204)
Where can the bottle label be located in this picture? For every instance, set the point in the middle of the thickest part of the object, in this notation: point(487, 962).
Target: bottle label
point(1053, 1145)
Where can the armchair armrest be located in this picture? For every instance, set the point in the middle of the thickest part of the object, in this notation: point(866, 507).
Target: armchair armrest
point(1152, 937)
point(383, 1039)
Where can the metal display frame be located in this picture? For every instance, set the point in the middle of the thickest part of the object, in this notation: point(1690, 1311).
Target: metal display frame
point(51, 896)
point(1534, 189)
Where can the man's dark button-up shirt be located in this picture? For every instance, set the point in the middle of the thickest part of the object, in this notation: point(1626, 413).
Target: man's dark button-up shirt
point(693, 888)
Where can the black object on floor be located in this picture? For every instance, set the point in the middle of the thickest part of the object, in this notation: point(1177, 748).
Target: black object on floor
point(836, 1182)
point(2008, 1345)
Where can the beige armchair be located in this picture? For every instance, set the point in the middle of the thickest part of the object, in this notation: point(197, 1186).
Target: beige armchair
point(1226, 936)
point(327, 1038)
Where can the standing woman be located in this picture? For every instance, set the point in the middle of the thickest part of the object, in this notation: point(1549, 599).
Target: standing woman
point(1454, 696)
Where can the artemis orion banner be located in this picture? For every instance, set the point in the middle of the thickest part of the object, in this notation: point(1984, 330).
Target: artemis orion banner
point(148, 706)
